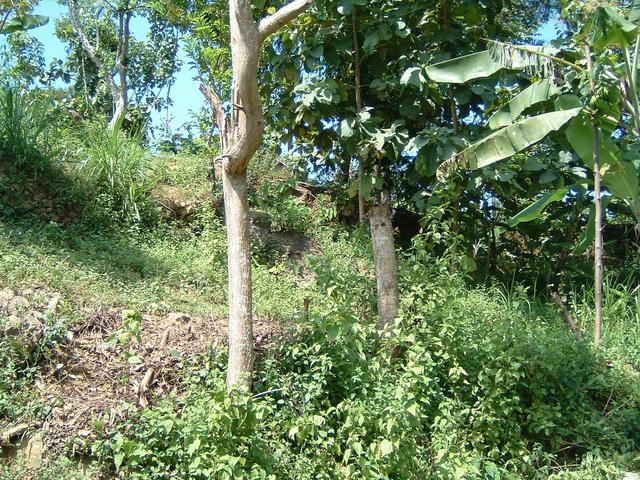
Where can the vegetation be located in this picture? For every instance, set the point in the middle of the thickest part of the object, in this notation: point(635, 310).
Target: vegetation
point(209, 303)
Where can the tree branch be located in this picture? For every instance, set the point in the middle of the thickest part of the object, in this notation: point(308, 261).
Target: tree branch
point(269, 25)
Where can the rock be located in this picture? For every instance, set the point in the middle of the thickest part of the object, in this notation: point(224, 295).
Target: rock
point(35, 451)
point(53, 304)
point(178, 317)
point(26, 332)
point(13, 326)
point(11, 433)
point(17, 304)
point(631, 476)
point(5, 296)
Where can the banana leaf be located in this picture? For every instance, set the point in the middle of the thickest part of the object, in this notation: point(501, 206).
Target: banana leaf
point(24, 22)
point(509, 140)
point(534, 210)
point(618, 175)
point(540, 91)
point(488, 62)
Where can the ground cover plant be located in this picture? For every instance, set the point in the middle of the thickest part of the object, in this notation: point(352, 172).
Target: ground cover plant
point(373, 249)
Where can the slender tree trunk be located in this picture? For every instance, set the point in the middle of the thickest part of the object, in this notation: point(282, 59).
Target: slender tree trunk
point(384, 255)
point(598, 241)
point(236, 209)
point(240, 136)
point(356, 68)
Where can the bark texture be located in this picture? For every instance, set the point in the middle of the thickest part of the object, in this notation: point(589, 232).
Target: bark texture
point(240, 136)
point(384, 255)
point(239, 260)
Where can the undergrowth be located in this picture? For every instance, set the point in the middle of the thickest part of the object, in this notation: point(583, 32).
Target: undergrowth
point(462, 390)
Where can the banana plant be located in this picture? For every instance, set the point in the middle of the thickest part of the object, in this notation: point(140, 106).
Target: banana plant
point(510, 133)
point(592, 119)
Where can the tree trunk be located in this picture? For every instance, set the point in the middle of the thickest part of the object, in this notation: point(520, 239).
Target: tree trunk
point(598, 260)
point(236, 209)
point(119, 110)
point(240, 137)
point(384, 255)
point(358, 90)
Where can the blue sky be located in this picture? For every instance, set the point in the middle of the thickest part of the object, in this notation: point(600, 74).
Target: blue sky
point(184, 92)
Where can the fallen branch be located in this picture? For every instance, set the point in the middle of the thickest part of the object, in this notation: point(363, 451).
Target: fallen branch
point(165, 337)
point(144, 387)
point(13, 432)
point(566, 315)
point(268, 392)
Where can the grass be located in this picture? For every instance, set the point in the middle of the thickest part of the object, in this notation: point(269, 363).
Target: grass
point(497, 385)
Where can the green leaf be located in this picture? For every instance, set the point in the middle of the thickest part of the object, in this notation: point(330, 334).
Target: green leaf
point(589, 234)
point(25, 22)
point(540, 91)
point(634, 12)
point(386, 447)
point(483, 64)
point(134, 360)
point(609, 28)
point(346, 6)
point(534, 210)
point(619, 176)
point(367, 186)
point(463, 69)
point(509, 140)
point(347, 127)
point(193, 447)
point(412, 76)
point(118, 458)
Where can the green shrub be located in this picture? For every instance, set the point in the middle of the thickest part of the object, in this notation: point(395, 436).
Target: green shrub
point(466, 389)
point(24, 138)
point(119, 169)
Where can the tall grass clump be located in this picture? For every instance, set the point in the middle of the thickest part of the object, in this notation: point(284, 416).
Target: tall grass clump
point(24, 138)
point(119, 170)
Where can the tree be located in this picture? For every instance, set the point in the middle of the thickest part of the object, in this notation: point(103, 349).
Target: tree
point(119, 90)
point(241, 134)
point(363, 99)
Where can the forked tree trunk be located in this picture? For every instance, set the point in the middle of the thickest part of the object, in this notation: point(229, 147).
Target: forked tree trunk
point(240, 137)
point(239, 259)
point(384, 255)
point(119, 91)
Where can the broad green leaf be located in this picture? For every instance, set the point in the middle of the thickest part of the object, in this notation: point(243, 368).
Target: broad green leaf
point(483, 64)
point(540, 91)
point(367, 186)
point(634, 12)
point(534, 210)
point(619, 176)
point(412, 76)
point(463, 69)
point(510, 140)
point(589, 234)
point(25, 22)
point(386, 447)
point(347, 127)
point(609, 28)
point(346, 6)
